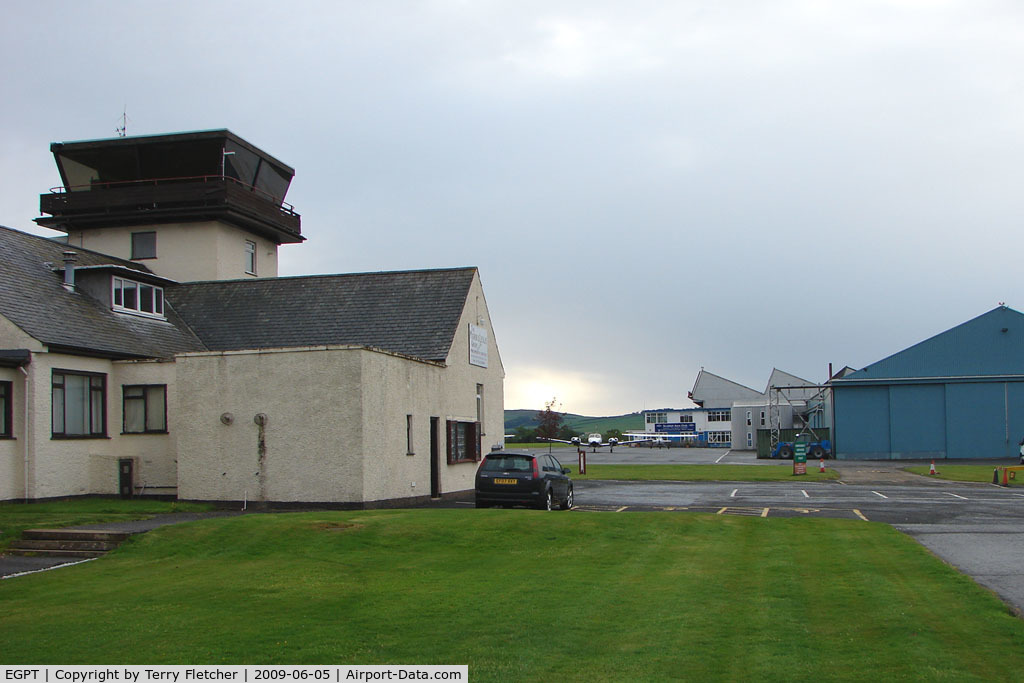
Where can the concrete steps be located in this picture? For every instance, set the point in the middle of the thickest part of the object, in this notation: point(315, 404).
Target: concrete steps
point(67, 542)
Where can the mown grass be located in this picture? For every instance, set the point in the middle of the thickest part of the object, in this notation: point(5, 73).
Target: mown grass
point(16, 517)
point(700, 473)
point(980, 473)
point(523, 596)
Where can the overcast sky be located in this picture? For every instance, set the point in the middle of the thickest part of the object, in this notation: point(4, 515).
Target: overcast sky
point(646, 187)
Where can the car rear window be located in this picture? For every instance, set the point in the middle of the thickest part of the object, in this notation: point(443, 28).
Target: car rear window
point(508, 463)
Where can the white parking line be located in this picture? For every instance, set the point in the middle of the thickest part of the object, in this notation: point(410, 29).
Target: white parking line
point(733, 494)
point(805, 493)
point(954, 495)
point(879, 494)
point(720, 459)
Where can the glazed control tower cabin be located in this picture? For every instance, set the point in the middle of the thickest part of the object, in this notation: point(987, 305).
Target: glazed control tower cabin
point(156, 351)
point(218, 202)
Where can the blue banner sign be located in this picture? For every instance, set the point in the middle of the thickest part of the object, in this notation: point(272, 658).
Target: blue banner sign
point(675, 427)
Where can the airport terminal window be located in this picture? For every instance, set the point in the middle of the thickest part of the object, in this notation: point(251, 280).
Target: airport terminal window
point(463, 441)
point(143, 245)
point(719, 416)
point(79, 408)
point(719, 437)
point(657, 418)
point(5, 410)
point(145, 409)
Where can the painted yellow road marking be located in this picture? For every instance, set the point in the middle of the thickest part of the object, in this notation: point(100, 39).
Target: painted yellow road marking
point(764, 513)
point(859, 514)
point(624, 507)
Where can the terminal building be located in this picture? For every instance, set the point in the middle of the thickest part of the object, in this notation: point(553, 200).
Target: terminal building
point(155, 350)
point(731, 415)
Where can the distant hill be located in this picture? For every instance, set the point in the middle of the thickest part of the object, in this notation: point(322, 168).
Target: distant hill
point(579, 423)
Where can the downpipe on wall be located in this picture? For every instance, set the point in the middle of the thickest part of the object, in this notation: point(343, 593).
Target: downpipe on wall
point(25, 426)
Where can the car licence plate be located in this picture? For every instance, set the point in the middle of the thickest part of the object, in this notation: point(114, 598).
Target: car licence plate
point(513, 482)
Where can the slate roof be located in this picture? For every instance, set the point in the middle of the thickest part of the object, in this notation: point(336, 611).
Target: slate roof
point(33, 298)
point(415, 313)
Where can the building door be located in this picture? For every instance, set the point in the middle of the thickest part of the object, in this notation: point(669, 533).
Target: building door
point(435, 457)
point(126, 479)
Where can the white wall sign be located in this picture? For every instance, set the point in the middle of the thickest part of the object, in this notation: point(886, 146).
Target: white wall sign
point(477, 346)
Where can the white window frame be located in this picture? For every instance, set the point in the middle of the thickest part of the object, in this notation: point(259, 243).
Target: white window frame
point(118, 288)
point(250, 257)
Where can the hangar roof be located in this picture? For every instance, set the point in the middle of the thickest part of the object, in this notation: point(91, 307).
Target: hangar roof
point(990, 345)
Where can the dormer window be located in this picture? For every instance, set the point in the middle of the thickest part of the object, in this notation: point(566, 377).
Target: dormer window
point(139, 298)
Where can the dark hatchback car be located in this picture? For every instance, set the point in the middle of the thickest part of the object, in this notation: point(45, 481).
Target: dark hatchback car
point(517, 478)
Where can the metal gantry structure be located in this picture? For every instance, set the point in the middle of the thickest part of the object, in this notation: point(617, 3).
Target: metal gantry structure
point(778, 395)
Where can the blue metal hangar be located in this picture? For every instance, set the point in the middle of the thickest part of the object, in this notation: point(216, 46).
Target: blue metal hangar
point(959, 394)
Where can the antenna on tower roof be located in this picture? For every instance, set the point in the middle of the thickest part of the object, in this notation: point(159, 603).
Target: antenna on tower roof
point(122, 130)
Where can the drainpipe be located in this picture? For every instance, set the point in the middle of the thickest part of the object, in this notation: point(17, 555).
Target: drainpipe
point(27, 429)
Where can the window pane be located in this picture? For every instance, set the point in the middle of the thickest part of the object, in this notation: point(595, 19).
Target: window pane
point(129, 296)
point(155, 413)
point(58, 410)
point(5, 405)
point(250, 257)
point(97, 407)
point(143, 245)
point(118, 294)
point(134, 414)
point(76, 404)
point(146, 298)
point(460, 441)
point(158, 300)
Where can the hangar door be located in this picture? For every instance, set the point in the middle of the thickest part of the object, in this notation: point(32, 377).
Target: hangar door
point(917, 421)
point(924, 421)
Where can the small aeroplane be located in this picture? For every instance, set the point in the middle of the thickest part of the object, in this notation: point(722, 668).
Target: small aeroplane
point(594, 441)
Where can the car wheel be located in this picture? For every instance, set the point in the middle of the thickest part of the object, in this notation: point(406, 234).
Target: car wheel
point(568, 499)
point(785, 452)
point(548, 502)
point(818, 452)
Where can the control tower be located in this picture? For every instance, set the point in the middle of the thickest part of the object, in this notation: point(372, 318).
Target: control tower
point(204, 205)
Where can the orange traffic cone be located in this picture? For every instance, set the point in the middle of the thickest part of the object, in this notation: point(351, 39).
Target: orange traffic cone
point(931, 470)
point(821, 465)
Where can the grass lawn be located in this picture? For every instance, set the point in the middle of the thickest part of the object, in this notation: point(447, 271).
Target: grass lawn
point(701, 472)
point(522, 595)
point(964, 473)
point(16, 517)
